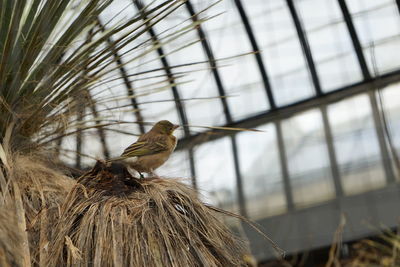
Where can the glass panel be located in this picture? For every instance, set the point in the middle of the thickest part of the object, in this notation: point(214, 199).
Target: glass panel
point(328, 13)
point(92, 147)
point(339, 71)
point(357, 6)
point(215, 173)
point(307, 158)
point(151, 94)
point(240, 76)
point(177, 166)
point(378, 27)
point(356, 145)
point(261, 173)
point(383, 56)
point(118, 141)
point(330, 43)
point(152, 90)
point(197, 86)
point(68, 150)
point(281, 50)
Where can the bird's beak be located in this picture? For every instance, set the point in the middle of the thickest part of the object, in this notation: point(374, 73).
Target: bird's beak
point(175, 126)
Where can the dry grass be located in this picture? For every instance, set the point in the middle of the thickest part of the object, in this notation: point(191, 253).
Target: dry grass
point(108, 219)
point(11, 253)
point(382, 253)
point(31, 194)
point(113, 219)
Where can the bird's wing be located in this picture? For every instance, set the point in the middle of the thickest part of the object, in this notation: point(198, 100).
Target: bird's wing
point(143, 148)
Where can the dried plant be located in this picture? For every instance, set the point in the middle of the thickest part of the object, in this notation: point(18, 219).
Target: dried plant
point(11, 251)
point(116, 220)
point(382, 252)
point(31, 194)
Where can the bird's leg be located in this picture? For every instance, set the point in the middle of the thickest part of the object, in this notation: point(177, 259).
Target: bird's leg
point(141, 175)
point(152, 173)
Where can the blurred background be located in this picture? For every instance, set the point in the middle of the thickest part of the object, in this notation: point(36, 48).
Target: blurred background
point(320, 79)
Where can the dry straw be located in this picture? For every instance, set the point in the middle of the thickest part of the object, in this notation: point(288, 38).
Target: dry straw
point(11, 253)
point(108, 220)
point(31, 194)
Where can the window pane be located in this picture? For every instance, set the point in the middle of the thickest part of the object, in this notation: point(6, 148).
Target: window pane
point(330, 43)
point(281, 50)
point(356, 145)
point(307, 158)
point(261, 173)
point(177, 166)
point(378, 27)
point(215, 173)
point(240, 76)
point(197, 86)
point(151, 93)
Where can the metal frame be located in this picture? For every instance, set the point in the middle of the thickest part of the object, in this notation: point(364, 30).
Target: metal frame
point(212, 62)
point(284, 167)
point(106, 151)
point(306, 47)
point(290, 110)
point(124, 74)
point(398, 5)
point(354, 39)
point(81, 110)
point(331, 153)
point(178, 103)
point(257, 53)
point(228, 116)
point(239, 178)
point(379, 128)
point(80, 113)
point(275, 115)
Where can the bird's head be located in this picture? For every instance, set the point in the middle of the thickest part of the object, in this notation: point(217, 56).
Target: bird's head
point(165, 127)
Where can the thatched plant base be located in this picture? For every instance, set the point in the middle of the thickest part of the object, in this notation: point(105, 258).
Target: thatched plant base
point(11, 251)
point(31, 192)
point(114, 219)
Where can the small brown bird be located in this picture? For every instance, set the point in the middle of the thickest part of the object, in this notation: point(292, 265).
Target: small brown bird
point(152, 149)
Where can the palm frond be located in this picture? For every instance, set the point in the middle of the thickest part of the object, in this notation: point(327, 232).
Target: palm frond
point(45, 66)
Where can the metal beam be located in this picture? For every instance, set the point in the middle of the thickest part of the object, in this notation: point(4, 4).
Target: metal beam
point(239, 180)
point(228, 116)
point(331, 153)
point(80, 105)
point(179, 105)
point(257, 53)
point(354, 38)
point(380, 133)
point(81, 110)
point(284, 167)
point(212, 62)
point(290, 110)
point(127, 82)
point(192, 167)
point(100, 130)
point(305, 46)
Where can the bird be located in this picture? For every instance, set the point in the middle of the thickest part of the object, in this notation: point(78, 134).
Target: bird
point(151, 150)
